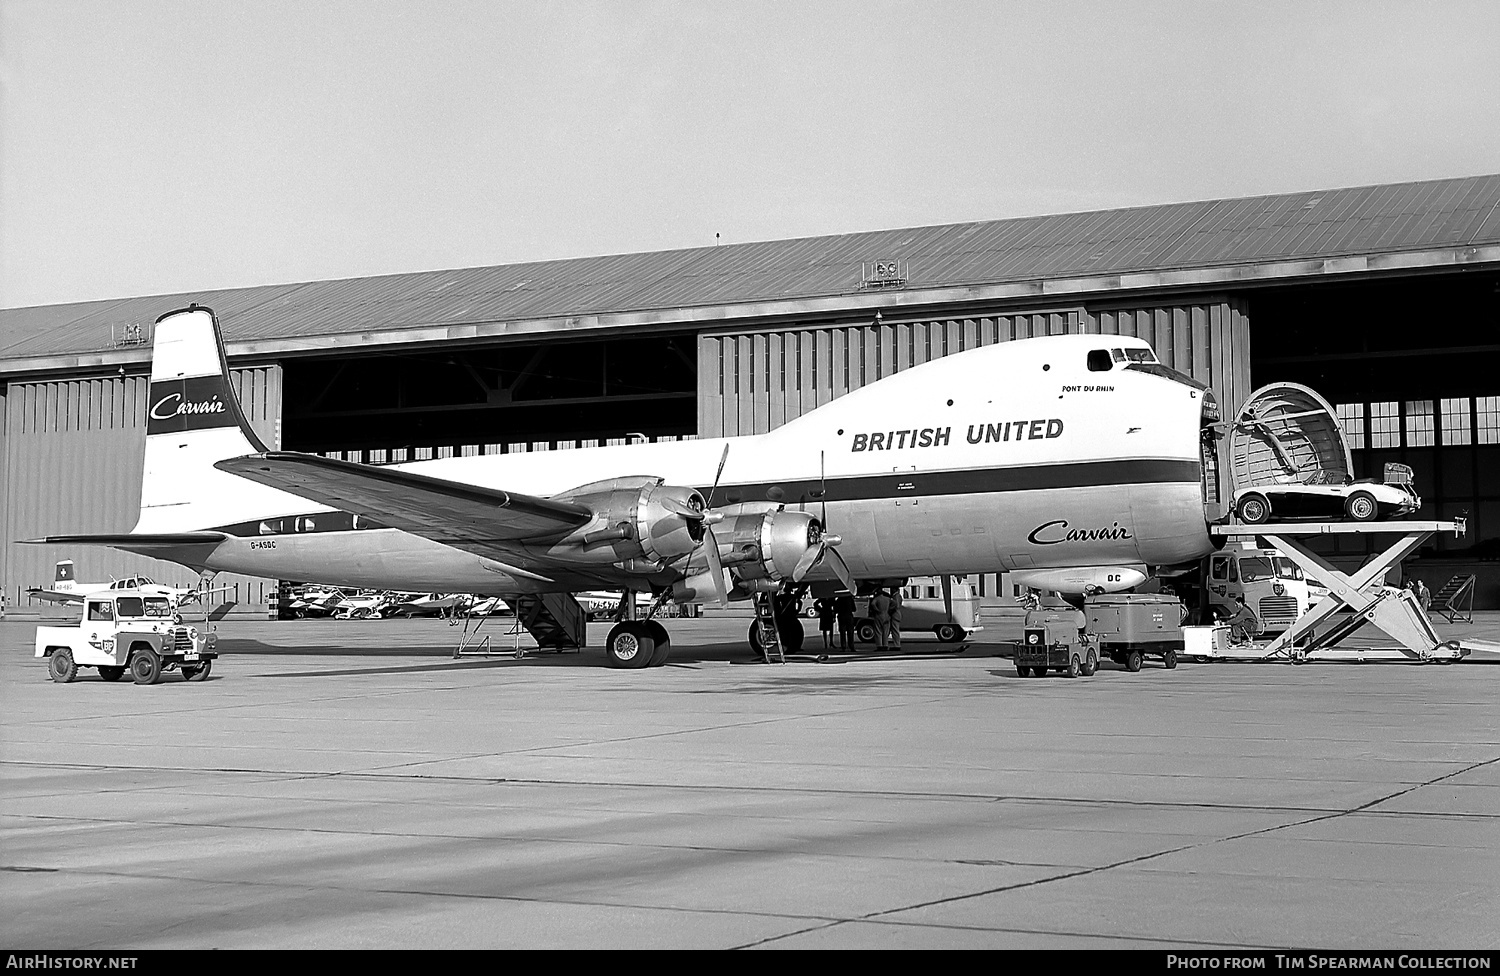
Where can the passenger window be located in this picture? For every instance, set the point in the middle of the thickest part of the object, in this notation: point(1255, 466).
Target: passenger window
point(272, 527)
point(130, 606)
point(1099, 361)
point(101, 611)
point(305, 525)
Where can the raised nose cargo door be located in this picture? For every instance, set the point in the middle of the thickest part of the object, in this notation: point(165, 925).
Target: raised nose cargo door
point(1286, 433)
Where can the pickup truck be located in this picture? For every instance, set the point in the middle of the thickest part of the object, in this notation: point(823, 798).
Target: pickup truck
point(127, 629)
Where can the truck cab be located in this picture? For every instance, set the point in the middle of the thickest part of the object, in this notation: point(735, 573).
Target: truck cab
point(1271, 585)
point(123, 630)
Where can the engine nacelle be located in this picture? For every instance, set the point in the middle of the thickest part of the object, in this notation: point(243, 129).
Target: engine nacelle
point(767, 545)
point(638, 521)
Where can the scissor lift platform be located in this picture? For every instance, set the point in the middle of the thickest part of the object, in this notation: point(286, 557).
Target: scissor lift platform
point(1316, 634)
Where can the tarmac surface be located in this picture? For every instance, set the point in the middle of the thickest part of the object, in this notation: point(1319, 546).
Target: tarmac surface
point(350, 784)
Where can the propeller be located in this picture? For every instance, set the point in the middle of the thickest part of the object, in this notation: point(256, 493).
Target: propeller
point(826, 543)
point(710, 543)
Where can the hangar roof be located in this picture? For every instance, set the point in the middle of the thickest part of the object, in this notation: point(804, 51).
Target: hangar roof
point(1362, 229)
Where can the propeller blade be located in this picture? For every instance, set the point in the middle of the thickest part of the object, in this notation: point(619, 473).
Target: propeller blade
point(715, 567)
point(823, 487)
point(809, 558)
point(709, 503)
point(841, 570)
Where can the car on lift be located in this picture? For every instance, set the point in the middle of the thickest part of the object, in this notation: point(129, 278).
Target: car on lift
point(1364, 500)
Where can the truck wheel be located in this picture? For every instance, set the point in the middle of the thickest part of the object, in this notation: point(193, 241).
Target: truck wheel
point(1075, 665)
point(1091, 664)
point(60, 665)
point(1169, 659)
point(864, 631)
point(145, 667)
point(111, 674)
point(1039, 671)
point(1023, 671)
point(949, 633)
point(1133, 661)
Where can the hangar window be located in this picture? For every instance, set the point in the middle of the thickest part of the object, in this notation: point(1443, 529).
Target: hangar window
point(1385, 425)
point(1100, 361)
point(1419, 425)
point(1457, 428)
point(1488, 415)
point(1352, 419)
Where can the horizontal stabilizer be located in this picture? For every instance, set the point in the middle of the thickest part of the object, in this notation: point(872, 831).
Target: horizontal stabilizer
point(462, 515)
point(127, 540)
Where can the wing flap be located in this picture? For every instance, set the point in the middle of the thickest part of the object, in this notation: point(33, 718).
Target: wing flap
point(463, 515)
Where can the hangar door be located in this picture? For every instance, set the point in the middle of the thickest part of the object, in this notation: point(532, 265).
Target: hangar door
point(73, 455)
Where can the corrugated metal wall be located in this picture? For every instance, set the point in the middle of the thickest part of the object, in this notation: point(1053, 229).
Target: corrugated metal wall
point(73, 456)
point(751, 382)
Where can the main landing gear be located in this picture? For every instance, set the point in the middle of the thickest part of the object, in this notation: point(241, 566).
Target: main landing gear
point(637, 644)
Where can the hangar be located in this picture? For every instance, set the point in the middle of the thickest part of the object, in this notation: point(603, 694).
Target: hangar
point(1385, 299)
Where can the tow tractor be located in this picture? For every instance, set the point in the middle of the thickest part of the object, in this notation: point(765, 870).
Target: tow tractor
point(127, 629)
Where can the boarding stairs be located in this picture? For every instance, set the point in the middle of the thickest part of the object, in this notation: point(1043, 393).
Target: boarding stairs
point(557, 621)
point(765, 624)
point(1456, 599)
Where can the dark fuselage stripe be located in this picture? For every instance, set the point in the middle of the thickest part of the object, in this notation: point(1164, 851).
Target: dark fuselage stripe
point(866, 488)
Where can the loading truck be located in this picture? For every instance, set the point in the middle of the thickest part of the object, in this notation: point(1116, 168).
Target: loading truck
point(127, 630)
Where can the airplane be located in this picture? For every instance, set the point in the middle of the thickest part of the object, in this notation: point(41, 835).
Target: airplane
point(1059, 452)
point(66, 589)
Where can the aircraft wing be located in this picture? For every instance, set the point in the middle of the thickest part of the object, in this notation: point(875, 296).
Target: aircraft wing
point(470, 517)
point(54, 596)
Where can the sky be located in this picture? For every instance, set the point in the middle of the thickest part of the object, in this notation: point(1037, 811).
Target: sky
point(158, 146)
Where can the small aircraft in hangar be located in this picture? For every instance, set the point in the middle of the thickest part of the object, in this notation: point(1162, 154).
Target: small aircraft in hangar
point(1075, 457)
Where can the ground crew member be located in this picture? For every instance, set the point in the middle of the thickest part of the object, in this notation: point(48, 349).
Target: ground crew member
point(880, 612)
point(844, 609)
point(1244, 625)
point(826, 613)
point(896, 617)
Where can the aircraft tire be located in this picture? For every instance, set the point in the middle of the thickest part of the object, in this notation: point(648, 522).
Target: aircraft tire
point(864, 631)
point(629, 646)
point(111, 673)
point(1132, 661)
point(61, 667)
point(663, 640)
point(792, 634)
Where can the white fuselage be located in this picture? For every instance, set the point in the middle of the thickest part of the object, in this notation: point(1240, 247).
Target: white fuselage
point(1012, 456)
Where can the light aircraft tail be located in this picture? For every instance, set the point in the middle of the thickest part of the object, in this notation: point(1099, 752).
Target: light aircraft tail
point(64, 574)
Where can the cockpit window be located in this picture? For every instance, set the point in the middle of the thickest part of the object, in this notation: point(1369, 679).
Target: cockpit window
point(1119, 355)
point(1099, 361)
point(1139, 355)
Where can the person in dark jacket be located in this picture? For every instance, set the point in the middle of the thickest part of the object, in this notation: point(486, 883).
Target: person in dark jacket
point(880, 611)
point(844, 610)
point(827, 612)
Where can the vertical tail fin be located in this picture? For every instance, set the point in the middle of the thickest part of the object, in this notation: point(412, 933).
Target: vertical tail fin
point(64, 572)
point(194, 420)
